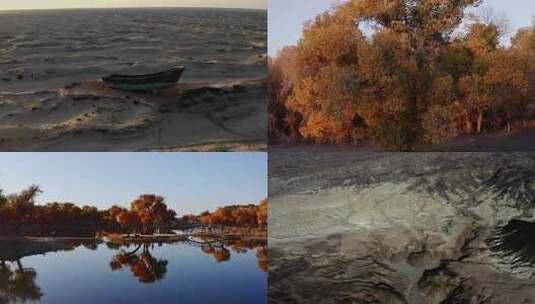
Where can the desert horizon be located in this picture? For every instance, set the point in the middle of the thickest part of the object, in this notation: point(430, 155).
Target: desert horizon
point(129, 7)
point(83, 4)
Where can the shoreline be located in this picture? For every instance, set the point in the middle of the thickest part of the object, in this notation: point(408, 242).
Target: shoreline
point(19, 247)
point(191, 117)
point(224, 146)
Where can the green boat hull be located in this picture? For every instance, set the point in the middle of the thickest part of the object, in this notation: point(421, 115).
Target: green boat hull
point(141, 87)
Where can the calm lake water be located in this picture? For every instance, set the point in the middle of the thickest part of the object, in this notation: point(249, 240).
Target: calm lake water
point(150, 273)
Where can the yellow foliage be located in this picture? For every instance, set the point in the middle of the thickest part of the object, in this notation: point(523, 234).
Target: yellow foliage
point(410, 80)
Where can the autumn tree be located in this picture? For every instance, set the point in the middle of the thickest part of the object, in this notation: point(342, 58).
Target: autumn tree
point(476, 96)
point(283, 124)
point(151, 209)
point(323, 72)
point(262, 213)
point(67, 218)
point(236, 215)
point(161, 214)
point(113, 212)
point(222, 217)
point(346, 86)
point(128, 220)
point(414, 76)
point(22, 204)
point(509, 81)
point(204, 217)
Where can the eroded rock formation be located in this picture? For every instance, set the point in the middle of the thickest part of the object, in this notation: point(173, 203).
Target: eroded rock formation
point(402, 228)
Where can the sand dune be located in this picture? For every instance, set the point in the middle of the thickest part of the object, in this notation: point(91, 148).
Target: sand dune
point(50, 63)
point(90, 116)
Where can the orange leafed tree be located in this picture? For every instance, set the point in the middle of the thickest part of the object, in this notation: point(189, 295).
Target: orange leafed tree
point(400, 73)
point(18, 209)
point(151, 210)
point(237, 215)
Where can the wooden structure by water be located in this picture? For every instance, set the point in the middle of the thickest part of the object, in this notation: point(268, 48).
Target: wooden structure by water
point(159, 238)
point(193, 233)
point(199, 229)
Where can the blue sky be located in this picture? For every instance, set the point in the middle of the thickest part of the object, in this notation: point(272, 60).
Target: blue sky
point(286, 17)
point(190, 182)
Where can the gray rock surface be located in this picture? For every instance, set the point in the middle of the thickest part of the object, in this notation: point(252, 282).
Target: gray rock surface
point(351, 227)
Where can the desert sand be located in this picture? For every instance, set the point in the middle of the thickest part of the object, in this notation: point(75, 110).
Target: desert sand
point(521, 139)
point(52, 99)
point(91, 117)
point(402, 228)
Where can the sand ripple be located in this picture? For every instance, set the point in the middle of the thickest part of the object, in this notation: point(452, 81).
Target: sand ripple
point(51, 98)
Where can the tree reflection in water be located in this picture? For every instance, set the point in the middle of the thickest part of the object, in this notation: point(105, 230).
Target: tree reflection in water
point(221, 251)
point(262, 255)
point(18, 286)
point(149, 269)
point(142, 265)
point(243, 245)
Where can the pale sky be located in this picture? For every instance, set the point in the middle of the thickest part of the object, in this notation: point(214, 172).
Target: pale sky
point(51, 4)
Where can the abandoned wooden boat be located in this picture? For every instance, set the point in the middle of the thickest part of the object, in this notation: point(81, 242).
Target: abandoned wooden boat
point(145, 82)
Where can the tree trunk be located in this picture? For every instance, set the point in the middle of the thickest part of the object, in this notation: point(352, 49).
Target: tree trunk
point(468, 123)
point(480, 118)
point(135, 250)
